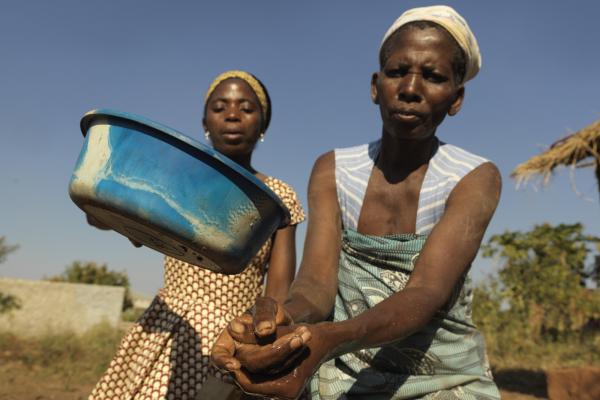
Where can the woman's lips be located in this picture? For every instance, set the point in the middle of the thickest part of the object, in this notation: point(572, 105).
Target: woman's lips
point(233, 135)
point(407, 115)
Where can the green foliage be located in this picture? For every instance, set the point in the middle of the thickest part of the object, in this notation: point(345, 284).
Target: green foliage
point(539, 296)
point(502, 331)
point(5, 249)
point(7, 302)
point(132, 314)
point(91, 273)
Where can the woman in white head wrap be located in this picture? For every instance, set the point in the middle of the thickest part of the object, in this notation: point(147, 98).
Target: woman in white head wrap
point(452, 22)
point(383, 290)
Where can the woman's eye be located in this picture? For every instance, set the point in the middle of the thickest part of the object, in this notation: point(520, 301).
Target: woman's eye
point(434, 77)
point(217, 107)
point(397, 72)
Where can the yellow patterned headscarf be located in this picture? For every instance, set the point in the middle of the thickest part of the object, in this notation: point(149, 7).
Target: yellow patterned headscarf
point(454, 23)
point(254, 83)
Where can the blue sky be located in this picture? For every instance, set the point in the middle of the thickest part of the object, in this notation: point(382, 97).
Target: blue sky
point(59, 59)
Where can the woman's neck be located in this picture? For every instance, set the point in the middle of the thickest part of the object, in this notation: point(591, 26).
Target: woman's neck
point(400, 157)
point(245, 161)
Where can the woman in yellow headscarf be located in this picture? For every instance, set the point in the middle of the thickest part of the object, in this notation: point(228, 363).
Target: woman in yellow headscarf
point(166, 355)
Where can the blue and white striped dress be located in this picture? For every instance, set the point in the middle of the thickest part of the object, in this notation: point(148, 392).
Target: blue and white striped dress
point(446, 358)
point(353, 166)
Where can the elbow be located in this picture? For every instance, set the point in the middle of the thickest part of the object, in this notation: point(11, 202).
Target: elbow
point(428, 302)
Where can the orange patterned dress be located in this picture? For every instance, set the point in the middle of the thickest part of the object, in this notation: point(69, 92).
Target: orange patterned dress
point(166, 354)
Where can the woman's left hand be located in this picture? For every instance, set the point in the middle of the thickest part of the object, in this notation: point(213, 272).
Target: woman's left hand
point(288, 379)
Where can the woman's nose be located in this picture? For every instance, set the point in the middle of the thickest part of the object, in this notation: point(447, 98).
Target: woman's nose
point(232, 114)
point(409, 87)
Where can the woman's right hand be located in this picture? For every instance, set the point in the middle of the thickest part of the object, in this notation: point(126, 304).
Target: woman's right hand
point(280, 370)
point(93, 221)
point(257, 341)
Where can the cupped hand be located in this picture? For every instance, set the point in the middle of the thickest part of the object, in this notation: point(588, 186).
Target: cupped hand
point(264, 341)
point(277, 356)
point(229, 354)
point(289, 383)
point(261, 323)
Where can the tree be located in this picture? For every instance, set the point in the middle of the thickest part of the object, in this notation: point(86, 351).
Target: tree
point(91, 273)
point(5, 249)
point(542, 281)
point(7, 302)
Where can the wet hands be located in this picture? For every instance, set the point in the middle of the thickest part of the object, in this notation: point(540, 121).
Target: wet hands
point(271, 354)
point(262, 341)
point(266, 353)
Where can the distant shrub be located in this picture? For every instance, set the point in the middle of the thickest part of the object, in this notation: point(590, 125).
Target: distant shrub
point(91, 273)
point(5, 249)
point(132, 314)
point(541, 299)
point(8, 302)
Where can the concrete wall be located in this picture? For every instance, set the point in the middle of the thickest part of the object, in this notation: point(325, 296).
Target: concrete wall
point(59, 307)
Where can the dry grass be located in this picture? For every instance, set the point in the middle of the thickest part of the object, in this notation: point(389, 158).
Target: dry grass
point(66, 367)
point(569, 151)
point(74, 359)
point(575, 352)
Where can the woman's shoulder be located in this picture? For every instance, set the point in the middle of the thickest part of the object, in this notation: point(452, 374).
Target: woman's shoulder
point(277, 185)
point(458, 155)
point(288, 196)
point(451, 161)
point(347, 156)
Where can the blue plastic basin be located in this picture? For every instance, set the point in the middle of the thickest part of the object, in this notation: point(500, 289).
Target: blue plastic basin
point(171, 193)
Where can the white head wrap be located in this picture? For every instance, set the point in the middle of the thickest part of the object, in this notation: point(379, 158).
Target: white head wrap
point(454, 23)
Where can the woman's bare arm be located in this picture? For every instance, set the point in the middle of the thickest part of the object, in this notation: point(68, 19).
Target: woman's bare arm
point(445, 258)
point(282, 264)
point(312, 294)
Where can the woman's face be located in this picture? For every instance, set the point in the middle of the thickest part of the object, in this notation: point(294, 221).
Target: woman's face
point(233, 118)
point(415, 89)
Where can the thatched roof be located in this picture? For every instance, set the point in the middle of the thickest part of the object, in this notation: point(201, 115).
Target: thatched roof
point(569, 151)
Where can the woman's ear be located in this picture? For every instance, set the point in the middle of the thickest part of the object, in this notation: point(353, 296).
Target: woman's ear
point(457, 103)
point(374, 96)
point(204, 125)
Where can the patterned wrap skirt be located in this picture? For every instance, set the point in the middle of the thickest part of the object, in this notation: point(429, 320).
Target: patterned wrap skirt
point(445, 360)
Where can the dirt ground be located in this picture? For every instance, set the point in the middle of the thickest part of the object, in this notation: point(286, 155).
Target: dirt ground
point(20, 382)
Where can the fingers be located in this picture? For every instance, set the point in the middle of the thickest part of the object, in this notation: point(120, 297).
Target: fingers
point(269, 369)
point(241, 329)
point(94, 222)
point(268, 314)
point(282, 317)
point(265, 313)
point(275, 357)
point(223, 351)
point(286, 388)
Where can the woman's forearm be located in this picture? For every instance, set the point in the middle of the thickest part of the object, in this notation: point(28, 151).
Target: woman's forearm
point(308, 301)
point(387, 322)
